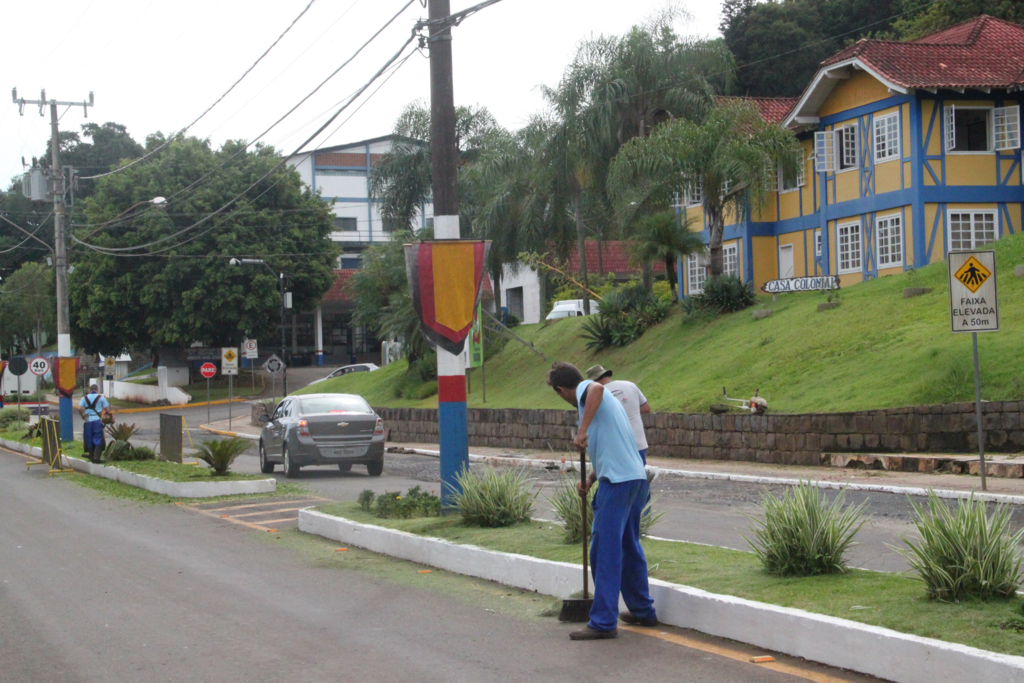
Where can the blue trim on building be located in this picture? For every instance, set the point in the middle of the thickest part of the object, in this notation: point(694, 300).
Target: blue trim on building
point(863, 110)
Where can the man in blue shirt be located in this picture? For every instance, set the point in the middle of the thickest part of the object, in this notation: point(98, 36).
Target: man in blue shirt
point(617, 559)
point(90, 407)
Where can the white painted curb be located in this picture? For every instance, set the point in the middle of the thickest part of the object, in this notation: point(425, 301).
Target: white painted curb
point(503, 460)
point(174, 489)
point(836, 642)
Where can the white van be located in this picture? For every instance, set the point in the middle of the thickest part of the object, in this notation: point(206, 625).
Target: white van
point(571, 308)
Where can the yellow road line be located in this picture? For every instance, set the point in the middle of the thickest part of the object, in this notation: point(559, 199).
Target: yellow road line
point(265, 512)
point(280, 502)
point(277, 521)
point(187, 405)
point(731, 653)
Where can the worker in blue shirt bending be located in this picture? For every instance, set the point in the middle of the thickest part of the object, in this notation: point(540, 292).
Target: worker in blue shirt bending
point(617, 559)
point(90, 407)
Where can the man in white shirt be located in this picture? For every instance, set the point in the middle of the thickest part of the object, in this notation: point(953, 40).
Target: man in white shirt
point(632, 399)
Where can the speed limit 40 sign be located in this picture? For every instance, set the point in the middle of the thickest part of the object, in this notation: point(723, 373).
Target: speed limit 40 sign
point(39, 366)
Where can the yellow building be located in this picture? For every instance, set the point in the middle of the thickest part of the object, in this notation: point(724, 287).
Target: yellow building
point(912, 150)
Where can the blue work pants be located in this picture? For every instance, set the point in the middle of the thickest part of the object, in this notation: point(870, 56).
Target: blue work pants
point(92, 435)
point(617, 560)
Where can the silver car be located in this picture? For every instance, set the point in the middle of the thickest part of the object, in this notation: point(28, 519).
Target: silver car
point(322, 429)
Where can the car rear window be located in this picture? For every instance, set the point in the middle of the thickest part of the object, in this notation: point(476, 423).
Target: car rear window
point(334, 404)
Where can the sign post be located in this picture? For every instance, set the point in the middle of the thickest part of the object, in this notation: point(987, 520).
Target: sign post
point(974, 307)
point(252, 352)
point(18, 366)
point(274, 366)
point(108, 363)
point(208, 370)
point(229, 367)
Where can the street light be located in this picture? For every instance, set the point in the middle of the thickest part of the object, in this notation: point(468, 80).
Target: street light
point(280, 278)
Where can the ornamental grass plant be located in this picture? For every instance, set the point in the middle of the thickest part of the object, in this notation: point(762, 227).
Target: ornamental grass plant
point(803, 534)
point(494, 499)
point(965, 553)
point(220, 453)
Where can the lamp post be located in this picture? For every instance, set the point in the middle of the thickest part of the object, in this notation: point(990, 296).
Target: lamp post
point(280, 278)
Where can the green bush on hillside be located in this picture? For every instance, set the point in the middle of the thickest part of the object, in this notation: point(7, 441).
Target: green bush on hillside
point(721, 294)
point(626, 313)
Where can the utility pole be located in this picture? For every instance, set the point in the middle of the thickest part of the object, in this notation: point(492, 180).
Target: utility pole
point(60, 256)
point(451, 370)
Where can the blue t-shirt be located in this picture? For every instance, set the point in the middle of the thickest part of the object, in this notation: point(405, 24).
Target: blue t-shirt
point(610, 443)
point(93, 414)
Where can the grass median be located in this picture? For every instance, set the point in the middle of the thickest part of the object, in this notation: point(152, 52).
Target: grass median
point(895, 601)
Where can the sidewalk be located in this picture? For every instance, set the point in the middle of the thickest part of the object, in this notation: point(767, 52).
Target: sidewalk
point(237, 426)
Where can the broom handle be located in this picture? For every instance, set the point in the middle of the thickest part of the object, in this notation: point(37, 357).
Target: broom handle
point(583, 511)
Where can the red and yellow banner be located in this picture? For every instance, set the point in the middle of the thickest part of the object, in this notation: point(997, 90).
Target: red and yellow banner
point(65, 375)
point(444, 279)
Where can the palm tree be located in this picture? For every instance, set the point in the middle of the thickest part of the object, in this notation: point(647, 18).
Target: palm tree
point(666, 237)
point(733, 154)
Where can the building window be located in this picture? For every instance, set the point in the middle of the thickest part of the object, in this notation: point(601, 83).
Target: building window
point(817, 242)
point(346, 223)
point(693, 193)
point(731, 260)
point(846, 138)
point(348, 262)
point(340, 172)
point(1007, 127)
point(696, 274)
point(849, 248)
point(793, 183)
point(971, 229)
point(967, 129)
point(887, 137)
point(889, 241)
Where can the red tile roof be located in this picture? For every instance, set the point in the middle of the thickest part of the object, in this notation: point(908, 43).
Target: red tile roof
point(772, 109)
point(981, 53)
point(615, 258)
point(337, 292)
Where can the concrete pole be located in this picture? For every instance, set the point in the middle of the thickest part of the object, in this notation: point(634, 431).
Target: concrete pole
point(67, 427)
point(319, 336)
point(453, 425)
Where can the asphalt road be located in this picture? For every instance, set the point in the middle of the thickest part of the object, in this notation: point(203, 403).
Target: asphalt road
point(97, 589)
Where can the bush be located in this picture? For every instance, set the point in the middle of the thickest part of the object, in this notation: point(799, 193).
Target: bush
point(420, 380)
point(143, 453)
point(722, 294)
point(9, 416)
point(393, 505)
point(626, 313)
point(803, 535)
point(118, 451)
point(965, 554)
point(220, 453)
point(121, 431)
point(566, 504)
point(365, 499)
point(494, 499)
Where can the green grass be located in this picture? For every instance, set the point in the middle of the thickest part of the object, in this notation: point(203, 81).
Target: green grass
point(892, 601)
point(115, 489)
point(876, 350)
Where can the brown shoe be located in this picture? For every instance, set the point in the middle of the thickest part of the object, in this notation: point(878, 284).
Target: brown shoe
point(633, 620)
point(587, 633)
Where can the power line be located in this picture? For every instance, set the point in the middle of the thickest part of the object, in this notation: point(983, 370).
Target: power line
point(207, 111)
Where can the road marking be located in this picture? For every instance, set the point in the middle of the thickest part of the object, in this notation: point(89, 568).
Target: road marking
point(215, 513)
point(280, 502)
point(737, 655)
point(265, 512)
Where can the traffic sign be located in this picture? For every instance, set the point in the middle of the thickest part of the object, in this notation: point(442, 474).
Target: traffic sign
point(18, 366)
point(229, 361)
point(208, 370)
point(274, 365)
point(39, 366)
point(109, 361)
point(251, 349)
point(973, 299)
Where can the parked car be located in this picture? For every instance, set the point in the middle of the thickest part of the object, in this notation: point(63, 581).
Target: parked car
point(358, 367)
point(322, 429)
point(571, 308)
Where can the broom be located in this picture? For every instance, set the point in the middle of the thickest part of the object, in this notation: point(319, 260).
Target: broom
point(576, 609)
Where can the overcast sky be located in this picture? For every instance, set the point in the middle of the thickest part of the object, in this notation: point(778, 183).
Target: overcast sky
point(155, 66)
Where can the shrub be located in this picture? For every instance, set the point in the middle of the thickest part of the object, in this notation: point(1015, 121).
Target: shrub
point(626, 313)
point(966, 553)
point(220, 453)
point(393, 505)
point(9, 416)
point(803, 535)
point(143, 453)
point(494, 499)
point(366, 497)
point(722, 294)
point(121, 431)
point(118, 451)
point(566, 504)
point(420, 380)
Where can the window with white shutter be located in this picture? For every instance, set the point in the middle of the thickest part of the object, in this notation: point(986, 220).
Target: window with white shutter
point(817, 242)
point(950, 128)
point(887, 137)
point(694, 193)
point(971, 229)
point(849, 242)
point(968, 129)
point(889, 241)
point(847, 138)
point(1006, 123)
point(696, 274)
point(731, 260)
point(824, 151)
point(792, 184)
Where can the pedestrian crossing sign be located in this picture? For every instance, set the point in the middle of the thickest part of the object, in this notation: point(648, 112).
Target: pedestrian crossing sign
point(973, 274)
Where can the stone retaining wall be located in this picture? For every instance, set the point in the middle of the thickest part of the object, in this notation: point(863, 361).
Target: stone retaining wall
point(783, 439)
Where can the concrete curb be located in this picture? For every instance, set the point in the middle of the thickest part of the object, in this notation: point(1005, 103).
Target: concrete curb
point(871, 650)
point(18, 447)
point(950, 494)
point(243, 435)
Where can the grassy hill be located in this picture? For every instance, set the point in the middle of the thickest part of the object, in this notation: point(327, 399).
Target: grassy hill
point(876, 350)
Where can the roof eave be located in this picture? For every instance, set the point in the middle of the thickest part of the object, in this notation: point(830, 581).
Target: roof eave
point(824, 81)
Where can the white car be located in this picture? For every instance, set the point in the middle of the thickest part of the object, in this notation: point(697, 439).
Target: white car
point(571, 308)
point(347, 369)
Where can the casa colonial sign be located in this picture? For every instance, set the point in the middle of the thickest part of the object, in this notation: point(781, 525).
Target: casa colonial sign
point(801, 284)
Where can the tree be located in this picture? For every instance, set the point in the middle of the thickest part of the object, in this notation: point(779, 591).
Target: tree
point(921, 19)
point(109, 144)
point(666, 237)
point(175, 287)
point(733, 154)
point(28, 307)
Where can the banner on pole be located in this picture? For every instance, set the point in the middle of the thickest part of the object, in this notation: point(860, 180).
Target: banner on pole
point(444, 279)
point(65, 375)
point(475, 346)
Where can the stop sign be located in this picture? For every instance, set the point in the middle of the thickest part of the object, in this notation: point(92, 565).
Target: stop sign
point(208, 370)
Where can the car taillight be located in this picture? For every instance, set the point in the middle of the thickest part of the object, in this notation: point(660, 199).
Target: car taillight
point(379, 429)
point(303, 428)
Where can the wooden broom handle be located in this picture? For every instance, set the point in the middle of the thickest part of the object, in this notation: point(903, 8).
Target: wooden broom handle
point(583, 512)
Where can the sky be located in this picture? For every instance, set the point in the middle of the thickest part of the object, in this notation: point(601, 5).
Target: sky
point(156, 66)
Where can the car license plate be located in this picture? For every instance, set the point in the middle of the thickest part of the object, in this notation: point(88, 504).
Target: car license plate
point(345, 452)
